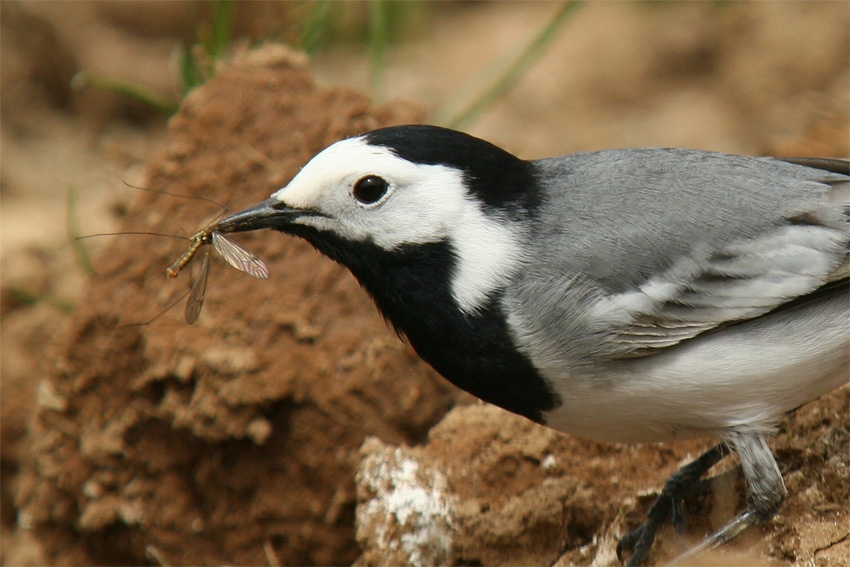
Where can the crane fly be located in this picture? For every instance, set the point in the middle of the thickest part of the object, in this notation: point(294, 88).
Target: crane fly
point(233, 254)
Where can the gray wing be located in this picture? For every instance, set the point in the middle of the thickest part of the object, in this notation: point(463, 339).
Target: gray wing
point(645, 249)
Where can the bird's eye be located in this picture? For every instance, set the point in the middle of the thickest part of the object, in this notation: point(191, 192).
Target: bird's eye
point(370, 189)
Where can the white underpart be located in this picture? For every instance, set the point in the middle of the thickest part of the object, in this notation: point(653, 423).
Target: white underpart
point(746, 378)
point(425, 204)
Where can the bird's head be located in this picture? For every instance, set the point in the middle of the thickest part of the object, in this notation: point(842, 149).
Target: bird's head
point(403, 187)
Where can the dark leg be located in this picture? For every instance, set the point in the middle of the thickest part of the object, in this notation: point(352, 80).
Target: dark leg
point(765, 492)
point(668, 503)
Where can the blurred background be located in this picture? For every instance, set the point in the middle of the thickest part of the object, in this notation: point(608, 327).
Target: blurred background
point(87, 89)
point(746, 77)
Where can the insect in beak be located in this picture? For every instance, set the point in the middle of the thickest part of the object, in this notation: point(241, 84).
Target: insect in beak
point(233, 254)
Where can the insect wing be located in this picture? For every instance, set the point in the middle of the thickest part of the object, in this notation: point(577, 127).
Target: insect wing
point(238, 257)
point(197, 291)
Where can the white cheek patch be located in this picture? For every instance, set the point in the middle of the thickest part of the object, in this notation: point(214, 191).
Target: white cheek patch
point(488, 256)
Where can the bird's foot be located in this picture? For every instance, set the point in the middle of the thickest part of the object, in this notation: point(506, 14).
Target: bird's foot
point(765, 494)
point(684, 483)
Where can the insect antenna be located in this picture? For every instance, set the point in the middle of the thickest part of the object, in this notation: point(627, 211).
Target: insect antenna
point(158, 315)
point(178, 195)
point(131, 233)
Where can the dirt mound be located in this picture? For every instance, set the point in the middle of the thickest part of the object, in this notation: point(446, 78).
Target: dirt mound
point(490, 488)
point(212, 441)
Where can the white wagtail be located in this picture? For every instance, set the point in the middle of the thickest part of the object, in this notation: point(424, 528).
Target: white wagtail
point(632, 296)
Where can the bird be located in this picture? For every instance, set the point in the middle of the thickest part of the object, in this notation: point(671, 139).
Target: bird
point(635, 295)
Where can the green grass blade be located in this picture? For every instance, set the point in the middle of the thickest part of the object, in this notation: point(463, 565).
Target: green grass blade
point(23, 296)
point(223, 14)
point(378, 39)
point(511, 76)
point(197, 63)
point(191, 75)
point(85, 79)
point(314, 29)
point(81, 253)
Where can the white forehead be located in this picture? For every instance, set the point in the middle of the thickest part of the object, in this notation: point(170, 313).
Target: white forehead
point(343, 163)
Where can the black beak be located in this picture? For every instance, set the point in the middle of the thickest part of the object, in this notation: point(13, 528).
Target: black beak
point(271, 213)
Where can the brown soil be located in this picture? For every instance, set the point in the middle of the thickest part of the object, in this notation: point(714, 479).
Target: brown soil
point(180, 437)
point(489, 488)
point(287, 423)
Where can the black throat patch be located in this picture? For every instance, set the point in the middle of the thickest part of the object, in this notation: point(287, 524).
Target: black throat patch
point(411, 288)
